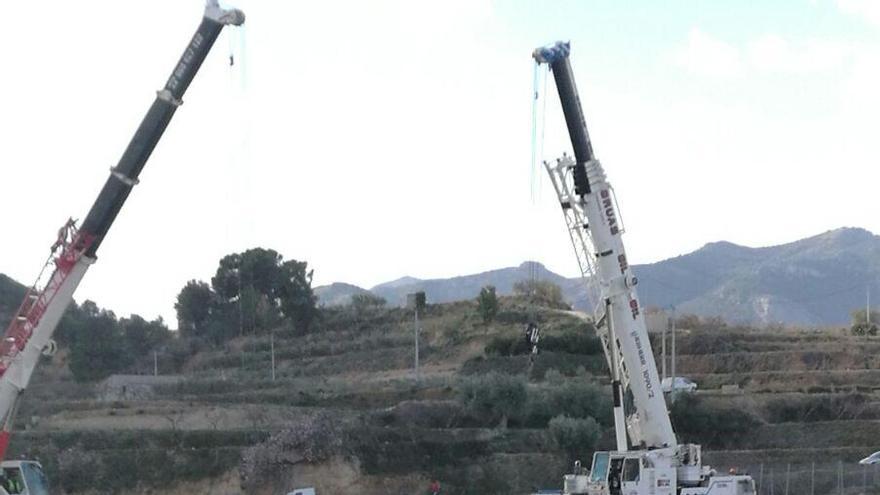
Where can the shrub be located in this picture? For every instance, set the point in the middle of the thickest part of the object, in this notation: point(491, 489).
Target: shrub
point(501, 345)
point(308, 441)
point(711, 425)
point(367, 301)
point(575, 435)
point(809, 408)
point(495, 397)
point(487, 304)
point(572, 343)
point(541, 292)
point(573, 399)
point(569, 342)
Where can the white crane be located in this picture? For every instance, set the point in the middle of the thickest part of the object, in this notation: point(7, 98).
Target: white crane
point(648, 459)
point(30, 332)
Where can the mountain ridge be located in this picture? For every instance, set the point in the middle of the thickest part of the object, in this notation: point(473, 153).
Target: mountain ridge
point(814, 281)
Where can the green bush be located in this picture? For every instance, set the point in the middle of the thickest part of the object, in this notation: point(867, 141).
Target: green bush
point(713, 426)
point(570, 342)
point(573, 399)
point(817, 407)
point(487, 304)
point(573, 343)
point(495, 397)
point(504, 345)
point(577, 436)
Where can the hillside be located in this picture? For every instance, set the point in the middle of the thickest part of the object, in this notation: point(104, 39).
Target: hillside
point(465, 287)
point(345, 413)
point(815, 281)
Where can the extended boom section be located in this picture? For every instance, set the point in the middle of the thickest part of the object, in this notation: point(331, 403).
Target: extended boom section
point(30, 332)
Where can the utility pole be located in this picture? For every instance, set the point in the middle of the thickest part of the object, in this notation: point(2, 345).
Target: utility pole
point(663, 349)
point(240, 314)
point(760, 478)
point(155, 364)
point(416, 301)
point(272, 349)
point(813, 478)
point(787, 476)
point(868, 306)
point(416, 336)
point(674, 376)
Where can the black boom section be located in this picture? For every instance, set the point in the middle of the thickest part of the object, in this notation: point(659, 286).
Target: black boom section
point(125, 175)
point(571, 107)
point(557, 57)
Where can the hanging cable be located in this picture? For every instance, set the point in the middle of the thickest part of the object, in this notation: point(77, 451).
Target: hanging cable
point(539, 105)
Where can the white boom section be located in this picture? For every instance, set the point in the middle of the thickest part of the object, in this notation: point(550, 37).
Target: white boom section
point(59, 294)
point(594, 216)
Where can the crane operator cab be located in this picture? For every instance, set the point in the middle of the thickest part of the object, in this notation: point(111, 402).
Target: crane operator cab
point(641, 472)
point(628, 473)
point(23, 478)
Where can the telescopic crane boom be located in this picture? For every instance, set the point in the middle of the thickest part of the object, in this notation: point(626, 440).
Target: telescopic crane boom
point(594, 196)
point(649, 459)
point(75, 250)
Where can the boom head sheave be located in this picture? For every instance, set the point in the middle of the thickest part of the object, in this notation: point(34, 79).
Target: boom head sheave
point(551, 53)
point(228, 17)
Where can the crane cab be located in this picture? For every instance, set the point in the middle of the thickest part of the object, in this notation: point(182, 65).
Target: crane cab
point(624, 473)
point(644, 472)
point(23, 478)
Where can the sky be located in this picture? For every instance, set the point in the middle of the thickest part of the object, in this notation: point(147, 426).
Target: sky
point(392, 137)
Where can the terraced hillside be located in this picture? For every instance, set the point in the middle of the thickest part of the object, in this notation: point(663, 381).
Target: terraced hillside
point(346, 414)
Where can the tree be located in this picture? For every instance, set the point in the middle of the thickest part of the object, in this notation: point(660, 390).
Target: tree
point(541, 292)
point(267, 287)
point(141, 336)
point(366, 301)
point(860, 325)
point(193, 306)
point(257, 268)
point(495, 396)
point(487, 304)
point(713, 425)
point(298, 301)
point(577, 436)
point(98, 351)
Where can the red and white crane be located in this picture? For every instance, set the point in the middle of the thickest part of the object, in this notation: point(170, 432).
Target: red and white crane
point(74, 251)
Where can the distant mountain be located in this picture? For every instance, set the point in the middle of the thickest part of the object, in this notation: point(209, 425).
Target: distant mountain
point(813, 281)
point(464, 287)
point(337, 294)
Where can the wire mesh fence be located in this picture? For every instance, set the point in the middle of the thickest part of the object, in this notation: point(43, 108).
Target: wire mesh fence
point(825, 478)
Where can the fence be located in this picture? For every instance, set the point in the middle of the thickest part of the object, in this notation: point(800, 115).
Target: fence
point(829, 478)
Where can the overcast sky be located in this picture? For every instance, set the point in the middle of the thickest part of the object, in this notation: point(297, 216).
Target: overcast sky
point(388, 138)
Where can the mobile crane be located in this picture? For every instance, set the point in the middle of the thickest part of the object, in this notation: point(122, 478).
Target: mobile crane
point(74, 251)
point(648, 459)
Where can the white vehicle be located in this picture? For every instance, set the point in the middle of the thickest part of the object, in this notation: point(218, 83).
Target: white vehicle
point(303, 491)
point(30, 333)
point(648, 460)
point(871, 459)
point(682, 384)
point(23, 478)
